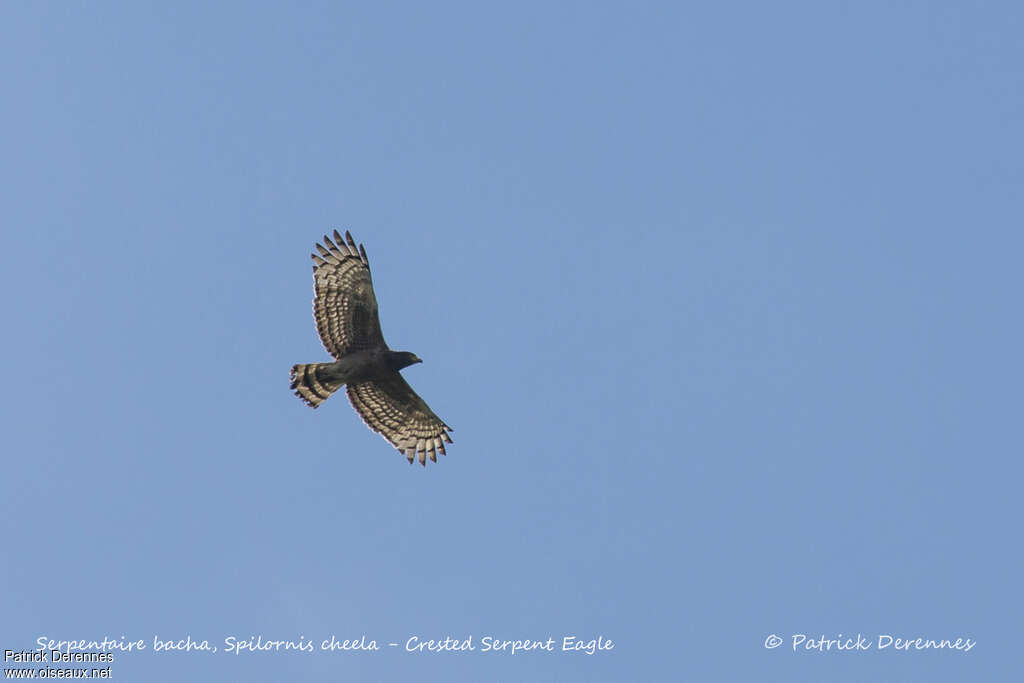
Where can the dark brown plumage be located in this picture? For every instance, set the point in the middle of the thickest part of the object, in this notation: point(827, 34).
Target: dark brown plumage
point(345, 310)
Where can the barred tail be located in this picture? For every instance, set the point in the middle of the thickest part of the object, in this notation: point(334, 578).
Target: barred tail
point(311, 384)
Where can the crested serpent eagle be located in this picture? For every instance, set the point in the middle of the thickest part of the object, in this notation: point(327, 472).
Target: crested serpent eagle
point(345, 310)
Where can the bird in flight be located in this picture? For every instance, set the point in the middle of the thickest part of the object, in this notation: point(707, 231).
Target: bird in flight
point(345, 310)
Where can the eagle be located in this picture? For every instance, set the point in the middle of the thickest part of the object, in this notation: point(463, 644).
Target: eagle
point(345, 310)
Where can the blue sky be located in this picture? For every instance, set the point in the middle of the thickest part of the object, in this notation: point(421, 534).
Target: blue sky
point(721, 299)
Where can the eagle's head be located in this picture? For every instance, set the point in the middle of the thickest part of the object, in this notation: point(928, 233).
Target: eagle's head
point(402, 359)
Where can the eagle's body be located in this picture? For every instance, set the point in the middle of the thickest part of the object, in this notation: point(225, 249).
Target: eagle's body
point(352, 368)
point(345, 310)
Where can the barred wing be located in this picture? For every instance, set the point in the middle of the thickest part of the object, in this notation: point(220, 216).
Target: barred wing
point(388, 405)
point(344, 307)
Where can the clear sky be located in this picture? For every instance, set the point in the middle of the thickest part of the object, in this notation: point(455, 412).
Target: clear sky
point(723, 301)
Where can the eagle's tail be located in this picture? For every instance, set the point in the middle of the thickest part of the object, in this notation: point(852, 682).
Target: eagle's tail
point(311, 383)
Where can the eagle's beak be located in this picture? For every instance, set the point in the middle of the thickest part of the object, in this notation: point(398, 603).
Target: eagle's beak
point(417, 359)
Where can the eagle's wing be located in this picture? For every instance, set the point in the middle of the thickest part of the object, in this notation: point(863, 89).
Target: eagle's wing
point(344, 307)
point(388, 405)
